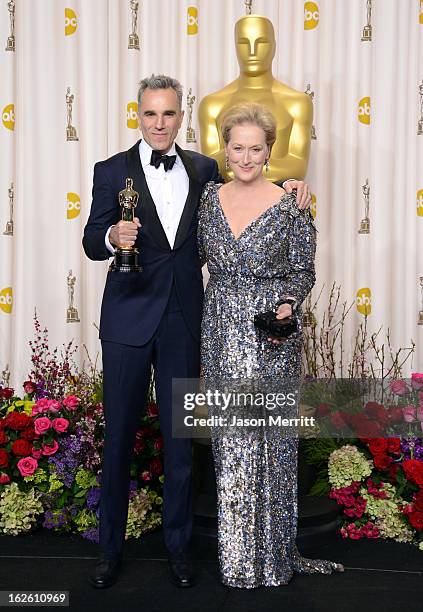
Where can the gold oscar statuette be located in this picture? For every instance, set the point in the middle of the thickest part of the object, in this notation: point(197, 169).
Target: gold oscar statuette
point(134, 41)
point(365, 223)
point(420, 123)
point(126, 257)
point(311, 95)
point(10, 44)
point(367, 30)
point(190, 130)
point(71, 313)
point(293, 110)
point(9, 225)
point(70, 130)
point(420, 321)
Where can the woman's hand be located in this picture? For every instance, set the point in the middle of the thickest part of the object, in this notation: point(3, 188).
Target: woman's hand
point(283, 311)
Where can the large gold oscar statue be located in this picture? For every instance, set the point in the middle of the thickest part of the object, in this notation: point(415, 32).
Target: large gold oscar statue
point(255, 48)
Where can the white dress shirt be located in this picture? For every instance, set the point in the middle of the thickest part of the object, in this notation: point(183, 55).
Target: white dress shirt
point(169, 191)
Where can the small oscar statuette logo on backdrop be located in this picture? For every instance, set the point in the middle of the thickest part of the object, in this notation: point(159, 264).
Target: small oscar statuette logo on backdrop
point(70, 129)
point(9, 225)
point(126, 257)
point(311, 94)
point(134, 40)
point(10, 44)
point(190, 130)
point(367, 30)
point(420, 321)
point(5, 376)
point(420, 123)
point(365, 223)
point(72, 313)
point(248, 6)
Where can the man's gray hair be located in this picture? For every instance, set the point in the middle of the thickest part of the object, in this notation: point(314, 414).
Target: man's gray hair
point(160, 81)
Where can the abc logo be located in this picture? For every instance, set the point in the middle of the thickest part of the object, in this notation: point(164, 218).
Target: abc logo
point(132, 115)
point(364, 110)
point(192, 20)
point(420, 203)
point(73, 205)
point(71, 21)
point(6, 300)
point(364, 301)
point(8, 117)
point(311, 15)
point(313, 208)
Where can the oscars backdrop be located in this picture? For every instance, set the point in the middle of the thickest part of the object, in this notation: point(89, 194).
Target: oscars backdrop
point(69, 74)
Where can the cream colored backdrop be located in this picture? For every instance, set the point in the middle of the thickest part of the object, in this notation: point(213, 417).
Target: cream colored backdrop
point(317, 43)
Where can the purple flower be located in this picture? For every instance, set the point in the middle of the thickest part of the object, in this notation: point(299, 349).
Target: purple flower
point(93, 498)
point(91, 534)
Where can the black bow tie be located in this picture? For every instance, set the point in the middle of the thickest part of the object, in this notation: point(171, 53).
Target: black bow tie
point(157, 158)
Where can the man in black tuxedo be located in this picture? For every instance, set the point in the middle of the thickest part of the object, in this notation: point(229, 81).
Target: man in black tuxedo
point(149, 318)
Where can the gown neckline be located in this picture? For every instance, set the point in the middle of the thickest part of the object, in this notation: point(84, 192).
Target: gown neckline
point(252, 222)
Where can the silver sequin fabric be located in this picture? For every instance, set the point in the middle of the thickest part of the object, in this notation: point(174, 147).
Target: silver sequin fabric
point(256, 472)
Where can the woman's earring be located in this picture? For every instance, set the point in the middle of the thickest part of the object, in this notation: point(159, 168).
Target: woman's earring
point(266, 165)
point(227, 167)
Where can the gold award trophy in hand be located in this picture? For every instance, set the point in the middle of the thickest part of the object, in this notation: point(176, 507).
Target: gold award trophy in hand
point(126, 257)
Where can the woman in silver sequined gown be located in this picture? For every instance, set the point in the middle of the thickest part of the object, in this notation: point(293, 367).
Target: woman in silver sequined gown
point(272, 258)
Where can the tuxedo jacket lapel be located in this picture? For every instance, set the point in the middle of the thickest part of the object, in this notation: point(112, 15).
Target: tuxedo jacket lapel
point(192, 198)
point(146, 209)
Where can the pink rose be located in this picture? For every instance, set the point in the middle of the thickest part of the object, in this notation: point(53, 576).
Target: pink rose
point(4, 479)
point(60, 424)
point(409, 414)
point(419, 413)
point(36, 453)
point(41, 425)
point(40, 406)
point(71, 402)
point(417, 380)
point(146, 475)
point(27, 466)
point(54, 406)
point(399, 387)
point(50, 449)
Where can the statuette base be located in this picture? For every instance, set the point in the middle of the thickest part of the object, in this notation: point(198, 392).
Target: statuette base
point(9, 229)
point(10, 45)
point(72, 316)
point(367, 33)
point(420, 127)
point(126, 260)
point(71, 133)
point(364, 226)
point(134, 42)
point(191, 135)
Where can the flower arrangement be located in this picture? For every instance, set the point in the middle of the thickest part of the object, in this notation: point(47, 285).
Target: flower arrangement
point(51, 445)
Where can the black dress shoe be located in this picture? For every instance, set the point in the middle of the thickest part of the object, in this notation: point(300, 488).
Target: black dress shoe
point(181, 571)
point(106, 572)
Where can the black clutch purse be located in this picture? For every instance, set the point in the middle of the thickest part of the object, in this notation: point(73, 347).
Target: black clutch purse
point(277, 328)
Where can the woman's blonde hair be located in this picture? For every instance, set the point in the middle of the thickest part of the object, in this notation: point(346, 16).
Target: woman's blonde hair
point(248, 112)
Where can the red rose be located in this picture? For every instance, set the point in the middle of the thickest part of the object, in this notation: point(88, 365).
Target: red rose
point(322, 410)
point(364, 427)
point(3, 424)
point(382, 462)
point(6, 393)
point(156, 466)
point(377, 412)
point(21, 447)
point(3, 437)
point(139, 446)
point(394, 446)
point(158, 444)
point(338, 419)
point(4, 479)
point(18, 421)
point(146, 476)
point(29, 434)
point(395, 414)
point(29, 387)
point(416, 520)
point(144, 432)
point(418, 500)
point(4, 458)
point(152, 409)
point(378, 446)
point(413, 470)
